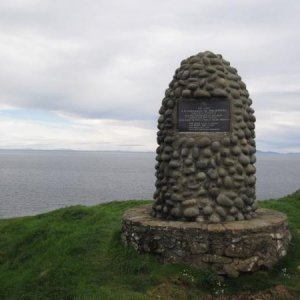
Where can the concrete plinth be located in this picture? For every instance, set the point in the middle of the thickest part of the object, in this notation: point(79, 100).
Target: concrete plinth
point(228, 248)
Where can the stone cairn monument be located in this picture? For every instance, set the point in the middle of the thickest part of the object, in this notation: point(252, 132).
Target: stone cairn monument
point(205, 213)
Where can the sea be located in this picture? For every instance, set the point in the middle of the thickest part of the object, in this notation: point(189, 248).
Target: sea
point(33, 181)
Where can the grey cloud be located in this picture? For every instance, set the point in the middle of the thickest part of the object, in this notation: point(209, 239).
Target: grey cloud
point(111, 59)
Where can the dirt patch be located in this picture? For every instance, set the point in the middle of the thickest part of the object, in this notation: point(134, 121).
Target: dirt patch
point(275, 293)
point(168, 291)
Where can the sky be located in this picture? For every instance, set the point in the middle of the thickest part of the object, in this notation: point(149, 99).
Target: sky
point(91, 75)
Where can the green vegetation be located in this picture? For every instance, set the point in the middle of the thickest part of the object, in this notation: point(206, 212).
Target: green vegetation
point(77, 253)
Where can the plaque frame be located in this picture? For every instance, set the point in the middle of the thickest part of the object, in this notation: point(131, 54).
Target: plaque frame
point(208, 99)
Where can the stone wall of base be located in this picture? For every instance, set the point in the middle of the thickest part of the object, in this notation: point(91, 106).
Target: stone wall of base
point(228, 248)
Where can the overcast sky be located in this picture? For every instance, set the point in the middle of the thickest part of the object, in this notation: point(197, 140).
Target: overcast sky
point(90, 75)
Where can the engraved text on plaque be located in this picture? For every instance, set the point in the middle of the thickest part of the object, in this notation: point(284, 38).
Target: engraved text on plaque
point(205, 115)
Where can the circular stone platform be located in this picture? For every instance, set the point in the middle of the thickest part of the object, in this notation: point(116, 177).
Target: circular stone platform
point(228, 248)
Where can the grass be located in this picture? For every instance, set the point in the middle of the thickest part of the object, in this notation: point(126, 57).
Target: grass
point(77, 253)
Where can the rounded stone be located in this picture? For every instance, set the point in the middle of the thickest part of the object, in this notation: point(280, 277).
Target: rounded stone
point(184, 152)
point(233, 210)
point(201, 176)
point(175, 211)
point(190, 142)
point(188, 162)
point(203, 142)
point(174, 164)
point(250, 169)
point(195, 152)
point(228, 182)
point(189, 202)
point(214, 218)
point(238, 202)
point(201, 93)
point(234, 140)
point(186, 93)
point(212, 174)
point(191, 212)
point(206, 153)
point(225, 152)
point(207, 210)
point(224, 200)
point(236, 150)
point(226, 141)
point(222, 172)
point(215, 146)
point(244, 160)
point(202, 164)
point(228, 162)
point(176, 197)
point(221, 211)
point(175, 154)
point(219, 92)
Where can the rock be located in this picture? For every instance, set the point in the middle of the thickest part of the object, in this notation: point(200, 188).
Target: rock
point(236, 150)
point(228, 162)
point(207, 210)
point(201, 94)
point(186, 93)
point(235, 94)
point(174, 164)
point(219, 92)
point(185, 75)
point(231, 194)
point(226, 141)
point(190, 202)
point(210, 69)
point(188, 162)
point(240, 217)
point(233, 210)
point(201, 176)
point(222, 172)
point(206, 153)
point(215, 146)
point(212, 174)
point(238, 202)
point(231, 271)
point(228, 182)
point(189, 142)
point(253, 159)
point(192, 86)
point(195, 152)
point(175, 211)
point(238, 177)
point(175, 154)
point(191, 212)
point(220, 211)
point(184, 152)
point(244, 160)
point(200, 219)
point(202, 164)
point(234, 140)
point(224, 200)
point(247, 265)
point(216, 259)
point(193, 186)
point(214, 218)
point(176, 197)
point(250, 169)
point(170, 103)
point(203, 142)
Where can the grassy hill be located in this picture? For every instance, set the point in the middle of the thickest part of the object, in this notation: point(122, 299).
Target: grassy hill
point(76, 253)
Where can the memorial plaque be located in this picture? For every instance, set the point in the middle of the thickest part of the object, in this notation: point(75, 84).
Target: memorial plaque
point(205, 115)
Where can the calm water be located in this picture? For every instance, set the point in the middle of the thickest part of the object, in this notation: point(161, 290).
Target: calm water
point(32, 182)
